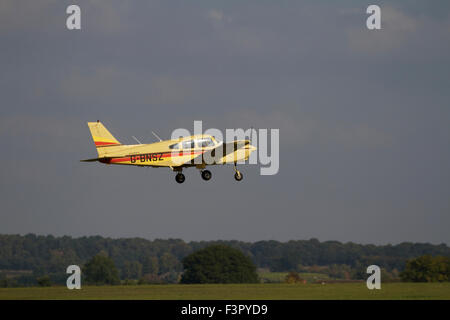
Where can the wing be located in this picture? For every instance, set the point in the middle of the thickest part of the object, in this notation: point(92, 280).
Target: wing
point(223, 153)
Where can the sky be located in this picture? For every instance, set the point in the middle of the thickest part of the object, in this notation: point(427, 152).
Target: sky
point(363, 117)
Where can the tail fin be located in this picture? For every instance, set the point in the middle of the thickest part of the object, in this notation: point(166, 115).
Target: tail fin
point(101, 136)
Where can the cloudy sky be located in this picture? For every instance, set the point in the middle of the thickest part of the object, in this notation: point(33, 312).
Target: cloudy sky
point(364, 118)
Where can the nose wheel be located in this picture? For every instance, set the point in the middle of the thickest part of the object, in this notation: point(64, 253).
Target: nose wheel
point(206, 175)
point(238, 175)
point(180, 178)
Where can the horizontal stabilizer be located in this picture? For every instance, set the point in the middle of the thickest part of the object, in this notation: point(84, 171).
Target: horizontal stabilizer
point(92, 160)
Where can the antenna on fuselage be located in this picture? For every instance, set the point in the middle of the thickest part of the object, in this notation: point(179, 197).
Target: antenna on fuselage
point(136, 139)
point(157, 136)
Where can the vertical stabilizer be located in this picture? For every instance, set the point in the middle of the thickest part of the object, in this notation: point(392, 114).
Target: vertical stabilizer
point(101, 136)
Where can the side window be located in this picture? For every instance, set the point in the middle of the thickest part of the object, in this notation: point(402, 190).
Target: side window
point(188, 144)
point(175, 146)
point(205, 143)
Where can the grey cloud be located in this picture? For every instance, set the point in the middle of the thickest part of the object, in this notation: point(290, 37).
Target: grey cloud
point(363, 118)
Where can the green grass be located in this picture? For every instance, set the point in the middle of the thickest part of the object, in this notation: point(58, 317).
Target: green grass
point(238, 291)
point(281, 276)
point(272, 276)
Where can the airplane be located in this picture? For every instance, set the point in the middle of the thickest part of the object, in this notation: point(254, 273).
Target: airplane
point(177, 154)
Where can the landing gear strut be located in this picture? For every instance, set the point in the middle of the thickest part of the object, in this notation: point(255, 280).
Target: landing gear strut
point(180, 177)
point(238, 175)
point(206, 175)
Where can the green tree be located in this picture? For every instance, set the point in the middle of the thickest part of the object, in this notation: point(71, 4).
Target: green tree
point(341, 271)
point(218, 264)
point(168, 263)
point(6, 282)
point(150, 265)
point(101, 270)
point(427, 269)
point(132, 270)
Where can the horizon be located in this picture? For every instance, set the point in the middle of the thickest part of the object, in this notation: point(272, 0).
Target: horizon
point(224, 240)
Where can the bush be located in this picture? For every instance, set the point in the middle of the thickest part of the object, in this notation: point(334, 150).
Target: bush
point(427, 269)
point(44, 281)
point(150, 278)
point(293, 277)
point(218, 264)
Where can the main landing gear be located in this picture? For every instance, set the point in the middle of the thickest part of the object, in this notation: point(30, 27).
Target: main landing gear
point(206, 175)
point(180, 177)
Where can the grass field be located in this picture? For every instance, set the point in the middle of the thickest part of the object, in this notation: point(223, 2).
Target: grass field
point(279, 277)
point(237, 291)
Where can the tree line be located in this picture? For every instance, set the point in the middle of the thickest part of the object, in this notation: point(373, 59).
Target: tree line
point(31, 257)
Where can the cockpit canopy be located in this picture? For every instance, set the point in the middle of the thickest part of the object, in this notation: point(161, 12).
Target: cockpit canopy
point(194, 143)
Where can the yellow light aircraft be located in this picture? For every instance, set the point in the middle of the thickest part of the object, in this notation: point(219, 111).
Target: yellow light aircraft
point(193, 151)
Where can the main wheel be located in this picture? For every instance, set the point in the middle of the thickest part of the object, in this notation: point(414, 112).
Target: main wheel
point(180, 178)
point(206, 175)
point(238, 176)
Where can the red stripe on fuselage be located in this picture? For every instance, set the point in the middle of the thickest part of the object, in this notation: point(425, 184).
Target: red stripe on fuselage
point(164, 155)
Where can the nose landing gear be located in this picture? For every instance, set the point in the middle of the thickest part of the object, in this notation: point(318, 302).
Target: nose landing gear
point(238, 175)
